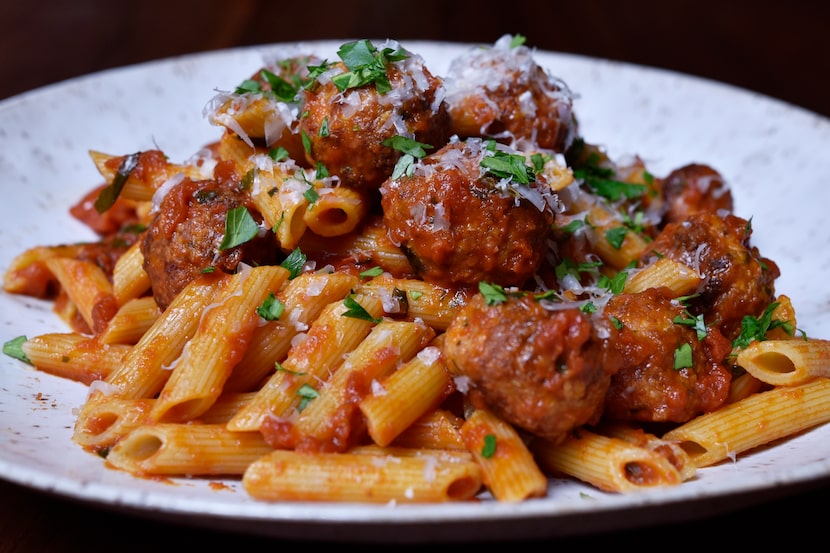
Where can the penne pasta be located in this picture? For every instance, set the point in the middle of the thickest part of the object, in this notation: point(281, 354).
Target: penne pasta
point(509, 470)
point(220, 341)
point(328, 420)
point(104, 419)
point(332, 336)
point(610, 464)
point(129, 279)
point(88, 288)
point(146, 367)
point(131, 321)
point(186, 450)
point(74, 356)
point(426, 476)
point(673, 453)
point(682, 279)
point(439, 429)
point(338, 211)
point(396, 402)
point(416, 299)
point(753, 421)
point(786, 362)
point(304, 298)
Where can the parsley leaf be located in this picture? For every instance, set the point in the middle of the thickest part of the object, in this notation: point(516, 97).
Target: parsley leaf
point(505, 165)
point(411, 150)
point(307, 393)
point(756, 328)
point(493, 293)
point(239, 228)
point(616, 236)
point(357, 311)
point(294, 263)
point(373, 272)
point(271, 308)
point(683, 357)
point(489, 447)
point(366, 65)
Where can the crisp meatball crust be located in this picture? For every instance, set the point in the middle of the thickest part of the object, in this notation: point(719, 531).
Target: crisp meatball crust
point(345, 129)
point(694, 188)
point(458, 225)
point(737, 280)
point(538, 369)
point(183, 238)
point(502, 93)
point(641, 349)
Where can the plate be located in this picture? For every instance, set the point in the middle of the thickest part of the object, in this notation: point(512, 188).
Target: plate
point(773, 155)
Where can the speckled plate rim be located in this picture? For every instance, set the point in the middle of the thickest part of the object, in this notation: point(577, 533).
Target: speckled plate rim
point(773, 155)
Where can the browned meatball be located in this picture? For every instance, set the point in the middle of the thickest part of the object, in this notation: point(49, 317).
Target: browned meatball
point(644, 339)
point(501, 92)
point(460, 225)
point(538, 369)
point(345, 128)
point(694, 188)
point(737, 280)
point(183, 238)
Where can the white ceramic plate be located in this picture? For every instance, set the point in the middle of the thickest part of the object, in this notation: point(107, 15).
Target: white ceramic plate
point(775, 156)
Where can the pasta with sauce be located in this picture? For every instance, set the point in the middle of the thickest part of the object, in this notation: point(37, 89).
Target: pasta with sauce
point(381, 284)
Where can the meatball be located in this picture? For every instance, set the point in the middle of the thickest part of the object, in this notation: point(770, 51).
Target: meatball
point(694, 188)
point(644, 339)
point(538, 369)
point(345, 123)
point(459, 224)
point(184, 236)
point(501, 92)
point(737, 280)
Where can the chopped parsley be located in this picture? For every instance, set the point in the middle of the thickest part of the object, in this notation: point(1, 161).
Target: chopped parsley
point(616, 236)
point(14, 348)
point(493, 294)
point(271, 308)
point(373, 272)
point(239, 228)
point(505, 165)
point(278, 154)
point(367, 65)
point(756, 328)
point(306, 393)
point(294, 263)
point(683, 357)
point(357, 311)
point(489, 447)
point(411, 149)
point(517, 40)
point(694, 321)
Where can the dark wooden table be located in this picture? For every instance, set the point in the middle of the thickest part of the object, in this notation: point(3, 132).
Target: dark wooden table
point(778, 49)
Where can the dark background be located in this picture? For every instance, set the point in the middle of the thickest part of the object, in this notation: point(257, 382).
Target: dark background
point(780, 49)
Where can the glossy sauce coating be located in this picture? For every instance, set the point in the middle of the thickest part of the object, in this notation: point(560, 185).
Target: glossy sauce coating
point(539, 369)
point(183, 239)
point(457, 228)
